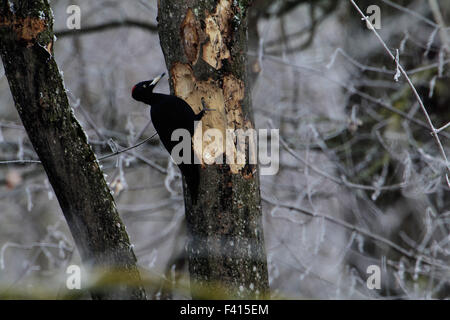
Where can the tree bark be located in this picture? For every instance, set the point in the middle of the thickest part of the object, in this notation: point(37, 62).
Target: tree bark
point(205, 44)
point(26, 49)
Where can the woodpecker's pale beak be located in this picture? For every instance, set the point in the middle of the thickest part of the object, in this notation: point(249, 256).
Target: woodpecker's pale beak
point(156, 80)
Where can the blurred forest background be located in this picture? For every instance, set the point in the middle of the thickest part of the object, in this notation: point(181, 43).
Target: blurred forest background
point(361, 179)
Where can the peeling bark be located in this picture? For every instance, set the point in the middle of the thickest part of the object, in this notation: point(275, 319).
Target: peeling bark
point(226, 243)
point(39, 94)
point(217, 31)
point(27, 29)
point(190, 36)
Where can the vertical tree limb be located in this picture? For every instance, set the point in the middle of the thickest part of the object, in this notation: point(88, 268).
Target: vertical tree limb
point(26, 49)
point(205, 45)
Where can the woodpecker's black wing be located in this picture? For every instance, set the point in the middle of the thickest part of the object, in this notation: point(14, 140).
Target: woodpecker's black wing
point(169, 113)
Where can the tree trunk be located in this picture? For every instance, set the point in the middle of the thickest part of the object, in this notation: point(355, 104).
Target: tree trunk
point(26, 45)
point(204, 44)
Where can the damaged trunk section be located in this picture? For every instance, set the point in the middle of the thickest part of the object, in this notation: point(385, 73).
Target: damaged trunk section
point(26, 29)
point(204, 44)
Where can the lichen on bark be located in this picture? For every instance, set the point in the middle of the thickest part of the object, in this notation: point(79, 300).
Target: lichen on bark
point(39, 94)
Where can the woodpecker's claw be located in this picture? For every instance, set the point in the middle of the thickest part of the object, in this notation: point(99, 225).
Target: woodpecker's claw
point(205, 107)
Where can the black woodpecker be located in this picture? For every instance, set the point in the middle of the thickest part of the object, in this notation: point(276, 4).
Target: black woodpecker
point(169, 113)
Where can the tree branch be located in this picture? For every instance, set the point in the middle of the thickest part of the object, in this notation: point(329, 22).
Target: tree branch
point(61, 144)
point(107, 26)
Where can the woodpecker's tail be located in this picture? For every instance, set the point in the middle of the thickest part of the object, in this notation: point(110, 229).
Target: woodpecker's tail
point(191, 175)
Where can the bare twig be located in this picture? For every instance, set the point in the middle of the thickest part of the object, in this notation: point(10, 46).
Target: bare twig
point(353, 90)
point(443, 128)
point(126, 149)
point(19, 161)
point(411, 85)
point(408, 253)
point(99, 159)
point(440, 21)
point(340, 181)
point(410, 12)
point(107, 26)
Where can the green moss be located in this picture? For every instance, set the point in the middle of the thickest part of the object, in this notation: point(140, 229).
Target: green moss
point(244, 4)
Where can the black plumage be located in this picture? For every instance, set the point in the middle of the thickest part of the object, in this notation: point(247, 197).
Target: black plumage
point(169, 113)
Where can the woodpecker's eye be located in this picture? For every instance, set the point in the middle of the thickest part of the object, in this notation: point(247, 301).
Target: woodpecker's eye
point(144, 86)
